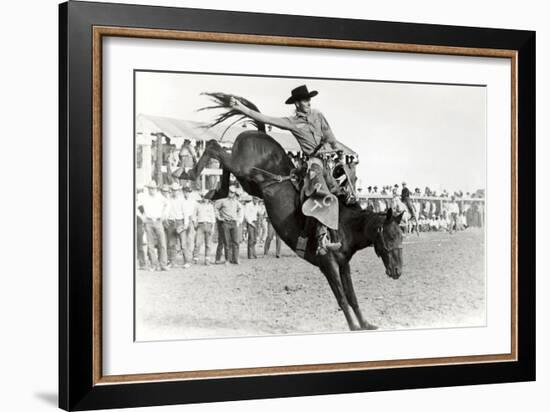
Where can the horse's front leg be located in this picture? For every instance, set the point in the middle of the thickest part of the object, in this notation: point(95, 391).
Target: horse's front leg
point(330, 270)
point(345, 276)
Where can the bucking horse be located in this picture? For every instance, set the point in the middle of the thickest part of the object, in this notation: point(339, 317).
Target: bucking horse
point(262, 167)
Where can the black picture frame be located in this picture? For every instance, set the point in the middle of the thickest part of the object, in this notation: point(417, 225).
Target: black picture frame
point(77, 389)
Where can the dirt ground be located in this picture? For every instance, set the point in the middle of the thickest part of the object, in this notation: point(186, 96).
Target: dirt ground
point(443, 285)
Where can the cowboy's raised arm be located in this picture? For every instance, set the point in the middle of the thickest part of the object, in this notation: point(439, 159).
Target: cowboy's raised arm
point(280, 122)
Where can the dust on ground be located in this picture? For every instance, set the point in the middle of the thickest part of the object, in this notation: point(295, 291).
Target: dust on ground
point(443, 285)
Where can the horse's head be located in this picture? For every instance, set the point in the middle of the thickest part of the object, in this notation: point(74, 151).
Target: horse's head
point(388, 244)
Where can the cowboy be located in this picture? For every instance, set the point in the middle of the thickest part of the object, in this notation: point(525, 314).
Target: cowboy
point(315, 137)
point(166, 192)
point(174, 223)
point(187, 205)
point(229, 211)
point(151, 211)
point(204, 219)
point(250, 212)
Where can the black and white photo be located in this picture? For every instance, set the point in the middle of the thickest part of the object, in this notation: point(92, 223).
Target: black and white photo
point(273, 205)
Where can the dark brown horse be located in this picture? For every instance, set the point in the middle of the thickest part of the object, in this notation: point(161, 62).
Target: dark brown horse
point(261, 166)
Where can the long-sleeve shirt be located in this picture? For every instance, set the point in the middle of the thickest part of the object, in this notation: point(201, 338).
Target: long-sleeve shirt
point(229, 209)
point(204, 213)
point(154, 207)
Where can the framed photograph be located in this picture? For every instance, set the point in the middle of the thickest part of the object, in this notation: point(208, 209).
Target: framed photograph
point(256, 205)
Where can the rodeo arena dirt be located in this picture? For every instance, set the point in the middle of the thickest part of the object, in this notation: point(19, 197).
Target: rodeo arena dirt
point(198, 276)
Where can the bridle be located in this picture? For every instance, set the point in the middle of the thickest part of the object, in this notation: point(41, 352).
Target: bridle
point(380, 233)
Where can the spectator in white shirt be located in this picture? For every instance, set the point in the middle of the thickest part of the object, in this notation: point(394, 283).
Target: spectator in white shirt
point(229, 211)
point(151, 211)
point(452, 209)
point(204, 219)
point(174, 223)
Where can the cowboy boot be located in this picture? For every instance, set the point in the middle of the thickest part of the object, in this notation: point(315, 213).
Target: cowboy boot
point(323, 243)
point(333, 243)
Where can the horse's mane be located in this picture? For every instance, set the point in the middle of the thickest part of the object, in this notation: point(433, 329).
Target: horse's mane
point(222, 101)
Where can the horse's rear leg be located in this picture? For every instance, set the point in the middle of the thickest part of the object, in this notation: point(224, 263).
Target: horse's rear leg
point(223, 189)
point(212, 150)
point(345, 276)
point(330, 270)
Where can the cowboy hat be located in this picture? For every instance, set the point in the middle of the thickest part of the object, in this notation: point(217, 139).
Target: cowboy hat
point(152, 184)
point(301, 93)
point(175, 187)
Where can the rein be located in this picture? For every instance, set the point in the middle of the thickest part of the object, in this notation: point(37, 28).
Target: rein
point(276, 178)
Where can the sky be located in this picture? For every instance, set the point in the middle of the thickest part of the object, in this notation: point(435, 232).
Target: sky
point(424, 134)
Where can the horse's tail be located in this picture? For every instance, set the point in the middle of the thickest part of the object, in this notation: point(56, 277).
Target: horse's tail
point(222, 101)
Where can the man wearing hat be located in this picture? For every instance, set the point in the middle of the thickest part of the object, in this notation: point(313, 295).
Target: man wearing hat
point(174, 222)
point(204, 220)
point(250, 212)
point(151, 211)
point(187, 235)
point(229, 211)
point(166, 192)
point(314, 135)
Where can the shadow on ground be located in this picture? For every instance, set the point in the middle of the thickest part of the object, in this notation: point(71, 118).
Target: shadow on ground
point(49, 398)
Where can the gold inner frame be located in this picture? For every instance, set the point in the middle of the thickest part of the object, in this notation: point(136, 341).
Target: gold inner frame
point(100, 31)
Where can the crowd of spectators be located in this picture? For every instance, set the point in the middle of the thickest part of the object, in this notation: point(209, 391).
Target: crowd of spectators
point(177, 226)
point(432, 211)
point(391, 190)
